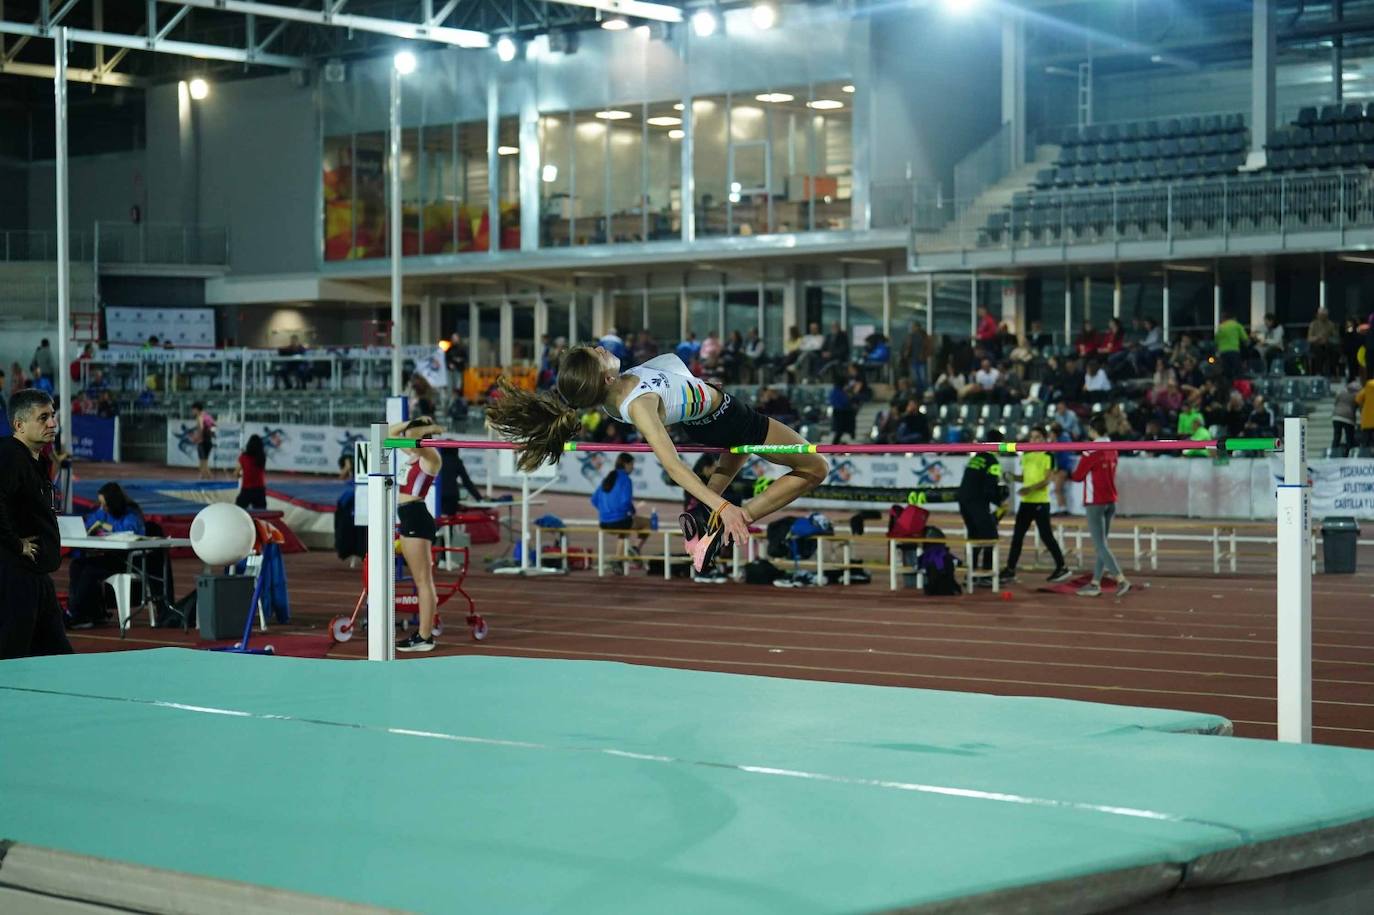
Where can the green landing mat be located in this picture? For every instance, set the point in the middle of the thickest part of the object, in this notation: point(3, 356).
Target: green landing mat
point(511, 785)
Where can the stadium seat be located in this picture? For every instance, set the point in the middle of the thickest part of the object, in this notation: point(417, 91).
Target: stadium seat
point(1352, 113)
point(1318, 389)
point(991, 412)
point(1294, 408)
point(1307, 116)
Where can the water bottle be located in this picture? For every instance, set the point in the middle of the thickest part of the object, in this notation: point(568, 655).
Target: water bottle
point(653, 520)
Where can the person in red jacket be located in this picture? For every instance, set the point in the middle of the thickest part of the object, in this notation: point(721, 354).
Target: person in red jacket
point(1096, 470)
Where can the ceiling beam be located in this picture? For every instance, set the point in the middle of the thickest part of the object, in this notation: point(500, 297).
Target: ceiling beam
point(661, 12)
point(75, 75)
point(163, 46)
point(419, 31)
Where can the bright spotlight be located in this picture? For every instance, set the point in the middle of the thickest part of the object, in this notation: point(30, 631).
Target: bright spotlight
point(615, 24)
point(704, 23)
point(764, 15)
point(550, 174)
point(676, 134)
point(959, 7)
point(505, 49)
point(404, 62)
point(198, 88)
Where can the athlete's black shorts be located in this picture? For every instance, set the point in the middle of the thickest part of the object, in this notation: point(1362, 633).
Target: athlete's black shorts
point(624, 524)
point(733, 423)
point(203, 449)
point(416, 521)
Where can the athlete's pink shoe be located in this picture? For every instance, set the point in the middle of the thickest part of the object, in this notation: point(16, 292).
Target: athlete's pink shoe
point(703, 536)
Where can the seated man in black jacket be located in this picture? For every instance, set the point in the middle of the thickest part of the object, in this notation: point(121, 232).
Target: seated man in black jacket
point(30, 617)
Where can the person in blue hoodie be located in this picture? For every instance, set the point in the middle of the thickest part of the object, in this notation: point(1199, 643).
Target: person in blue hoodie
point(117, 514)
point(615, 502)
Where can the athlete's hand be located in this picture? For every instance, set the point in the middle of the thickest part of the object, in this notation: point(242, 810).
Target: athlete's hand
point(30, 547)
point(736, 524)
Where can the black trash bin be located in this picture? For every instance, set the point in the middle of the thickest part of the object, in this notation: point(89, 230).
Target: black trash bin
point(1339, 536)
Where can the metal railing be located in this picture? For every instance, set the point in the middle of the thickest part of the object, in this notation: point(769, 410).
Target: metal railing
point(40, 245)
point(985, 166)
point(161, 244)
point(909, 205)
point(1262, 204)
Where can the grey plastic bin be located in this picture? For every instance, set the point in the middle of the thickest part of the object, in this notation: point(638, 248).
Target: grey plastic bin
point(1339, 536)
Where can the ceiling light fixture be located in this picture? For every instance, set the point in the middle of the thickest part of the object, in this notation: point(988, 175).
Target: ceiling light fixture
point(404, 62)
point(849, 89)
point(764, 15)
point(508, 150)
point(505, 49)
point(198, 88)
point(665, 121)
point(615, 24)
point(676, 134)
point(774, 97)
point(613, 114)
point(704, 23)
point(824, 104)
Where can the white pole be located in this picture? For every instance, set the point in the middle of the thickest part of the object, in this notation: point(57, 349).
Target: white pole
point(1294, 588)
point(395, 183)
point(64, 266)
point(243, 394)
point(524, 523)
point(381, 568)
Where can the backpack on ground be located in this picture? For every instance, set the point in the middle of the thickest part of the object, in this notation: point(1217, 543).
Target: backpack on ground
point(937, 565)
point(907, 521)
point(761, 572)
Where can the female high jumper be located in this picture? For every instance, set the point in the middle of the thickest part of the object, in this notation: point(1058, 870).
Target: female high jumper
point(416, 472)
point(653, 396)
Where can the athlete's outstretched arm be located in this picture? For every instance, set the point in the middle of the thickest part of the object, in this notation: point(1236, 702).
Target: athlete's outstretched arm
point(644, 414)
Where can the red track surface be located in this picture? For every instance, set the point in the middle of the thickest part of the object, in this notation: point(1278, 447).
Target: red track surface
point(1183, 639)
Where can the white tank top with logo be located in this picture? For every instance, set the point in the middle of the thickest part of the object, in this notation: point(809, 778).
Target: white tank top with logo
point(685, 397)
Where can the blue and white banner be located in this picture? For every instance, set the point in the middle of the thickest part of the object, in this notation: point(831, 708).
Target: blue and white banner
point(95, 438)
point(291, 447)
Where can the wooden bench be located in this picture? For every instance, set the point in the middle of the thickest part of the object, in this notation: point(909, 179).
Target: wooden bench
point(669, 557)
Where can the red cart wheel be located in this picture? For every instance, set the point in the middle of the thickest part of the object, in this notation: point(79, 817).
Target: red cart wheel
point(341, 628)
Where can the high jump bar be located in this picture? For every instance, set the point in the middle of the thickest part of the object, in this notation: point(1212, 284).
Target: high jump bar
point(1221, 444)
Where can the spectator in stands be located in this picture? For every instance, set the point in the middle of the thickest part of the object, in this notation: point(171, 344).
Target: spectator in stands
point(1036, 477)
point(916, 354)
point(1190, 417)
point(423, 397)
point(168, 344)
point(1261, 419)
point(1269, 343)
point(710, 356)
point(1350, 346)
point(1039, 337)
point(295, 373)
point(1237, 413)
point(985, 331)
point(203, 436)
point(912, 426)
point(457, 358)
point(615, 503)
point(1153, 343)
point(1097, 471)
point(755, 355)
point(1088, 340)
point(1343, 421)
point(1055, 381)
point(1067, 420)
point(152, 342)
point(116, 513)
point(1119, 427)
point(43, 361)
point(96, 384)
point(1154, 431)
point(1190, 377)
point(835, 352)
point(902, 391)
point(1323, 343)
point(877, 353)
point(1365, 400)
point(87, 354)
point(987, 383)
point(615, 345)
point(644, 349)
point(1095, 380)
point(843, 412)
point(732, 357)
point(774, 404)
point(809, 353)
point(1112, 340)
point(105, 406)
point(1021, 353)
point(252, 474)
point(950, 385)
point(1230, 337)
point(689, 349)
point(41, 382)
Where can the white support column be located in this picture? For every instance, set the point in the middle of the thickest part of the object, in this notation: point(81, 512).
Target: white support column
point(493, 165)
point(381, 567)
point(1014, 83)
point(1294, 588)
point(1116, 295)
point(1261, 290)
point(394, 184)
point(1263, 50)
point(64, 259)
point(973, 305)
point(506, 344)
point(1216, 296)
point(1164, 325)
point(429, 311)
point(474, 324)
point(1321, 283)
point(1068, 309)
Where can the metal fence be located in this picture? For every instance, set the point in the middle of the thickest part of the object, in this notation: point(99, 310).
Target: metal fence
point(909, 205)
point(122, 244)
point(985, 166)
point(38, 245)
point(1263, 204)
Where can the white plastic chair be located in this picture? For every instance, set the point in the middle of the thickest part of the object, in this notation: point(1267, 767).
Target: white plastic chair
point(122, 583)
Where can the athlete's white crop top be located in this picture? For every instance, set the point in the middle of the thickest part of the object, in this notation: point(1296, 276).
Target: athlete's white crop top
point(685, 397)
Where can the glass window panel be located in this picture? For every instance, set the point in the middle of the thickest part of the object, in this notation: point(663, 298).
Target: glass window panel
point(453, 318)
point(772, 321)
point(583, 332)
point(953, 309)
point(703, 312)
point(523, 350)
point(741, 311)
point(792, 152)
point(824, 306)
point(369, 212)
point(589, 176)
point(628, 314)
point(1100, 302)
point(664, 326)
point(747, 184)
point(865, 310)
point(908, 307)
point(709, 164)
point(555, 181)
point(473, 228)
point(558, 319)
point(832, 128)
point(663, 163)
point(508, 156)
point(339, 198)
point(488, 334)
point(438, 188)
point(1190, 304)
point(627, 170)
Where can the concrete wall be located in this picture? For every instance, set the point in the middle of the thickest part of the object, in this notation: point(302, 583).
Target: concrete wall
point(102, 187)
point(14, 195)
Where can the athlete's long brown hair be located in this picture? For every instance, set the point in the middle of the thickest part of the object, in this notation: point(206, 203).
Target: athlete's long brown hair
point(541, 423)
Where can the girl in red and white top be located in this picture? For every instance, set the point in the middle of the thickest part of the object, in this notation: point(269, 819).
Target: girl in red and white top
point(252, 472)
point(416, 473)
point(1096, 470)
